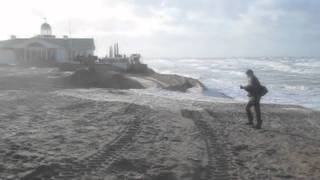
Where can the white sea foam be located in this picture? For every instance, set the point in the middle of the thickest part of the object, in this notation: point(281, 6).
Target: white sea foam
point(296, 88)
point(290, 80)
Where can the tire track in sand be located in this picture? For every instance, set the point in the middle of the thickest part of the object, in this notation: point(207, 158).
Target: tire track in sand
point(102, 159)
point(220, 164)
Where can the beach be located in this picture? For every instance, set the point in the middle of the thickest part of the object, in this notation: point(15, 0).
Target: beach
point(154, 126)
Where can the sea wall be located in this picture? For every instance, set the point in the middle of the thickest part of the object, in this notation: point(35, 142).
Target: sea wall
point(103, 79)
point(107, 76)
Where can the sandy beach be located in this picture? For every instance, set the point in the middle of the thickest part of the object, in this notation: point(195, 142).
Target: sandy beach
point(160, 128)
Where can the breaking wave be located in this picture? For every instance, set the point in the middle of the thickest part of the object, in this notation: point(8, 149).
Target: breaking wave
point(290, 80)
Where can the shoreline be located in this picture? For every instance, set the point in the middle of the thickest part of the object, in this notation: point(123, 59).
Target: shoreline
point(148, 81)
point(294, 84)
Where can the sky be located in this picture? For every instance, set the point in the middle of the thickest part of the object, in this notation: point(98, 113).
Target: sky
point(175, 28)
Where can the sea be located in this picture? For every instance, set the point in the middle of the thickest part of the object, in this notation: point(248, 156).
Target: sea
point(290, 80)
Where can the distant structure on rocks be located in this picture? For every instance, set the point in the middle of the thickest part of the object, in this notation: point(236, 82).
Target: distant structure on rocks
point(122, 61)
point(44, 48)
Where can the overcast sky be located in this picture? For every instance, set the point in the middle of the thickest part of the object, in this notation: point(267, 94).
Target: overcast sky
point(175, 28)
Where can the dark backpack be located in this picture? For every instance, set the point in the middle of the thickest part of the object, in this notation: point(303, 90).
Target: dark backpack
point(262, 91)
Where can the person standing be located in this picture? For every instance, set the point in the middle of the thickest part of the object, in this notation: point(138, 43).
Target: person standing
point(255, 92)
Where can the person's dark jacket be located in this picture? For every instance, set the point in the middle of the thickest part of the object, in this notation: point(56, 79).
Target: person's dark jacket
point(253, 87)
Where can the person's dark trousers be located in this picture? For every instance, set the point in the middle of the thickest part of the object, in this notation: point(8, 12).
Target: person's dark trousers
point(254, 102)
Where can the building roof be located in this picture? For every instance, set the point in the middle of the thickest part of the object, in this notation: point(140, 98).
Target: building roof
point(66, 43)
point(45, 26)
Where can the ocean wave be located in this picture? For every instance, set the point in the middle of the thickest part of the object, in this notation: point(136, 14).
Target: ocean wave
point(310, 65)
point(295, 88)
point(291, 80)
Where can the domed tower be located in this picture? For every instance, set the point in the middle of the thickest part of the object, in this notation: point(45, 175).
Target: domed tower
point(46, 29)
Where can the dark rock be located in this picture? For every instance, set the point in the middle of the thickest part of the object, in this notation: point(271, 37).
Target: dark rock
point(108, 79)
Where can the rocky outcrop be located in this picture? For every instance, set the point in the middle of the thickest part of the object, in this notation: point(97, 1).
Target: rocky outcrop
point(104, 77)
point(109, 79)
point(177, 83)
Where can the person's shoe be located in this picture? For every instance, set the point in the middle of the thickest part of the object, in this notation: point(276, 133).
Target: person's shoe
point(257, 127)
point(249, 124)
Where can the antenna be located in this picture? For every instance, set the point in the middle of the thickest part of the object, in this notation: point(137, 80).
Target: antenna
point(71, 43)
point(69, 27)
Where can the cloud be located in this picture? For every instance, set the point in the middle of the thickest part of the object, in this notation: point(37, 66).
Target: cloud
point(176, 28)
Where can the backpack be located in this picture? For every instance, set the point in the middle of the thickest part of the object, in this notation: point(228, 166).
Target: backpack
point(262, 91)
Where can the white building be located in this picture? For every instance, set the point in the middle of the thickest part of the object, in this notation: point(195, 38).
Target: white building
point(44, 48)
